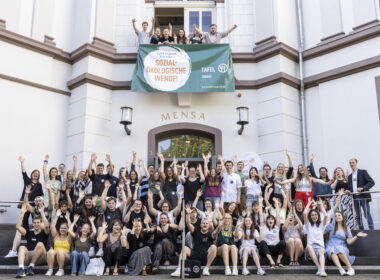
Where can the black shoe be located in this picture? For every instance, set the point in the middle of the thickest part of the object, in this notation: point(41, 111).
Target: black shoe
point(20, 273)
point(30, 271)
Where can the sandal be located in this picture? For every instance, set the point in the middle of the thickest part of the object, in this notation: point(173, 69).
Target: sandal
point(115, 273)
point(291, 263)
point(106, 273)
point(143, 272)
point(280, 265)
point(272, 266)
point(154, 269)
point(296, 263)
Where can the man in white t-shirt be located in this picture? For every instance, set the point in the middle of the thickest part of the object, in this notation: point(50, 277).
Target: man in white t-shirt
point(231, 184)
point(144, 36)
point(214, 37)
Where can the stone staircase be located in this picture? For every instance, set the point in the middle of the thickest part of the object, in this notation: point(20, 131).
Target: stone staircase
point(366, 250)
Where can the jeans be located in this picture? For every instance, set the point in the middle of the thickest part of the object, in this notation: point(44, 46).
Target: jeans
point(250, 199)
point(363, 204)
point(213, 200)
point(79, 258)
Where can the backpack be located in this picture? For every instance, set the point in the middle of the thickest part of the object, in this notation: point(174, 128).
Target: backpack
point(192, 269)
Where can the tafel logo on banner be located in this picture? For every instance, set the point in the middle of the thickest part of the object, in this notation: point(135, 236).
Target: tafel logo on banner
point(250, 160)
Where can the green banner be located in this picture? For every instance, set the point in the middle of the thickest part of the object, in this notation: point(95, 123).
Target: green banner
point(184, 68)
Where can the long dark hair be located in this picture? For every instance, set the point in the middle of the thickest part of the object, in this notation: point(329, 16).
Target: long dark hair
point(266, 221)
point(327, 174)
point(344, 224)
point(137, 176)
point(319, 217)
point(51, 169)
point(181, 39)
point(31, 174)
point(257, 172)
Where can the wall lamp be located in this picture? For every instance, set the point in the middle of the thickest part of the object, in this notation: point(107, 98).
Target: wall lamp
point(242, 118)
point(126, 118)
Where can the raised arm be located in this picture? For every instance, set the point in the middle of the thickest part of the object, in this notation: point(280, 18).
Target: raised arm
point(306, 211)
point(134, 26)
point(103, 198)
point(54, 223)
point(199, 194)
point(338, 200)
point(234, 160)
point(161, 168)
point(201, 175)
point(124, 201)
point(220, 158)
point(19, 226)
point(44, 169)
point(102, 233)
point(111, 170)
point(325, 216)
point(93, 227)
point(26, 199)
point(71, 229)
point(183, 179)
point(205, 165)
point(177, 209)
point(21, 159)
point(75, 166)
point(290, 162)
point(232, 29)
point(197, 29)
point(278, 218)
point(92, 162)
point(190, 226)
point(152, 29)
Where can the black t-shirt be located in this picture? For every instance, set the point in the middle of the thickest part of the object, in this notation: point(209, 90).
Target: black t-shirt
point(202, 241)
point(197, 225)
point(170, 186)
point(139, 216)
point(32, 239)
point(98, 183)
point(35, 191)
point(137, 243)
point(110, 216)
point(154, 40)
point(162, 39)
point(191, 189)
point(160, 235)
point(114, 181)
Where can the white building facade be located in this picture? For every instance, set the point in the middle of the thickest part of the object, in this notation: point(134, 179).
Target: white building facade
point(66, 68)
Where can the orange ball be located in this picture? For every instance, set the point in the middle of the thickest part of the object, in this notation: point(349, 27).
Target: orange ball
point(239, 94)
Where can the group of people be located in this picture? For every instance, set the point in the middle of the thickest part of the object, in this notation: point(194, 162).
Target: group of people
point(135, 219)
point(155, 36)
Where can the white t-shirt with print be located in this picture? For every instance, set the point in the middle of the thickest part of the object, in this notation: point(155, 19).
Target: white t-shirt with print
point(315, 234)
point(231, 184)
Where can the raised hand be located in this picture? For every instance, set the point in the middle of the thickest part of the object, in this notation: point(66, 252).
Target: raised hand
point(108, 158)
point(144, 209)
point(188, 209)
point(209, 155)
point(81, 195)
point(93, 157)
point(46, 157)
point(362, 234)
point(311, 157)
point(235, 26)
point(150, 194)
point(76, 218)
point(21, 159)
point(194, 26)
point(104, 225)
point(59, 212)
point(234, 158)
point(199, 192)
point(287, 153)
point(153, 20)
point(75, 158)
point(134, 20)
point(175, 160)
point(223, 193)
point(127, 165)
point(140, 162)
point(217, 205)
point(180, 192)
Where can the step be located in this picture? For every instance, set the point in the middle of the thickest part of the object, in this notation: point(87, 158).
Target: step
point(287, 270)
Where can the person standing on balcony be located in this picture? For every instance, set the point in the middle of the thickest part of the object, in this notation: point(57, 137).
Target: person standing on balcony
point(359, 181)
point(144, 36)
point(213, 37)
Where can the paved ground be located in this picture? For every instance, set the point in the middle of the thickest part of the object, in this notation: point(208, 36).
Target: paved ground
point(212, 277)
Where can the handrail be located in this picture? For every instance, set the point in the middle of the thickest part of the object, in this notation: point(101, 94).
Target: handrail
point(13, 202)
point(351, 193)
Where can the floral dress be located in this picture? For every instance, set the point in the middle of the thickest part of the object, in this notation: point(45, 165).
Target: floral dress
point(337, 243)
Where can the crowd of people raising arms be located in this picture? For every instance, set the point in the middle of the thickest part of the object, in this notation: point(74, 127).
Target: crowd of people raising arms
point(135, 219)
point(166, 37)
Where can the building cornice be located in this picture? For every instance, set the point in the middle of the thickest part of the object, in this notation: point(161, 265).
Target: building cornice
point(340, 72)
point(239, 84)
point(354, 37)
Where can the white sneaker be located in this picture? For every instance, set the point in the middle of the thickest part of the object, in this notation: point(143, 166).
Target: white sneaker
point(100, 253)
point(91, 253)
point(176, 273)
point(235, 271)
point(261, 272)
point(206, 272)
point(342, 272)
point(323, 273)
point(245, 272)
point(60, 272)
point(350, 272)
point(49, 272)
point(11, 254)
point(227, 271)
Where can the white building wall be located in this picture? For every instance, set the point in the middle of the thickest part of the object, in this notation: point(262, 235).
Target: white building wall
point(34, 123)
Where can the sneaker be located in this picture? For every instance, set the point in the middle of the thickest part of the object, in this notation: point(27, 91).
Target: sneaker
point(235, 271)
point(49, 272)
point(245, 272)
point(206, 272)
point(323, 273)
point(91, 253)
point(261, 272)
point(350, 272)
point(100, 253)
point(20, 273)
point(342, 272)
point(60, 272)
point(318, 272)
point(227, 271)
point(11, 254)
point(126, 269)
point(176, 273)
point(30, 271)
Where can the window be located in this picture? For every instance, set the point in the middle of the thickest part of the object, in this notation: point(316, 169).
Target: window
point(202, 18)
point(185, 146)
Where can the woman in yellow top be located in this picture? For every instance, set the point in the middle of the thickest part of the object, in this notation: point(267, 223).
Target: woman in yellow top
point(62, 247)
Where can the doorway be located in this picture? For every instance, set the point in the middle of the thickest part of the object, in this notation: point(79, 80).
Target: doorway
point(174, 16)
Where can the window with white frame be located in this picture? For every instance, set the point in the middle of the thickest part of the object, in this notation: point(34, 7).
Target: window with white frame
point(203, 18)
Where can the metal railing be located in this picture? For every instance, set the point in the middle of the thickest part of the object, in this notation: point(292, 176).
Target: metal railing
point(365, 211)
